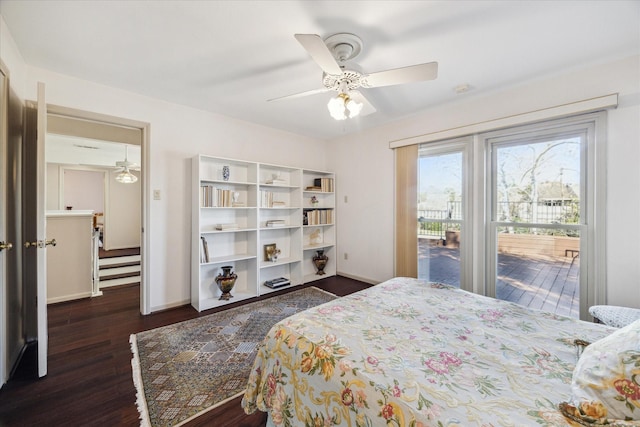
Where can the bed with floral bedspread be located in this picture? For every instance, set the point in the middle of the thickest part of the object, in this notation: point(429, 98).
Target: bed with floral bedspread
point(411, 353)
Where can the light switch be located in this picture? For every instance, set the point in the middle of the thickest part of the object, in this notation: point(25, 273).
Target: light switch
point(156, 194)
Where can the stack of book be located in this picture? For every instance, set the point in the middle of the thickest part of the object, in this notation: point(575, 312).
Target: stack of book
point(273, 223)
point(277, 282)
point(207, 196)
point(325, 184)
point(266, 200)
point(224, 198)
point(211, 197)
point(318, 217)
point(227, 226)
point(276, 181)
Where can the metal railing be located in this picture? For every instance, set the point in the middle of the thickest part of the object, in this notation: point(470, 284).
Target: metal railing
point(435, 222)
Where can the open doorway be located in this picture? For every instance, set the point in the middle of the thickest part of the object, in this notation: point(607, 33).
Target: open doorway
point(86, 155)
point(85, 175)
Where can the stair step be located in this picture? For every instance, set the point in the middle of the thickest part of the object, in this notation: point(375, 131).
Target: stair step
point(122, 264)
point(119, 281)
point(118, 271)
point(118, 260)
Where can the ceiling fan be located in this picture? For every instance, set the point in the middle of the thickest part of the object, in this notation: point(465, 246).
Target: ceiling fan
point(332, 54)
point(124, 168)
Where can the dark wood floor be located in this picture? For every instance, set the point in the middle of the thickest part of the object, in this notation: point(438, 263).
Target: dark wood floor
point(89, 380)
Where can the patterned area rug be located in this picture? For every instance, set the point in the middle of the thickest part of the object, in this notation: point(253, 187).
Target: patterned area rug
point(185, 369)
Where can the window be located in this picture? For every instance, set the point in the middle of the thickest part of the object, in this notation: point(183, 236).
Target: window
point(514, 214)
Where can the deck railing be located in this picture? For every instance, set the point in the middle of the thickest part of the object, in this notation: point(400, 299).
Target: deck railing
point(435, 222)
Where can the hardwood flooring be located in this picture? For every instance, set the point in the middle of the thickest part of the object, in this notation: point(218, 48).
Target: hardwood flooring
point(89, 380)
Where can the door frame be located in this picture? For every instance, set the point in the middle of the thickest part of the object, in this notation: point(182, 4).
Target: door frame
point(144, 127)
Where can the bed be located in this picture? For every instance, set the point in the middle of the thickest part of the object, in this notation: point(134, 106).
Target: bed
point(411, 353)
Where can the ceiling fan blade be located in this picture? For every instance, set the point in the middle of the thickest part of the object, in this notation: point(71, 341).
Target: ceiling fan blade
point(413, 73)
point(367, 108)
point(315, 46)
point(300, 95)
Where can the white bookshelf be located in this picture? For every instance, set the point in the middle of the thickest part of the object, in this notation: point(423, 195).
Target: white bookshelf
point(318, 235)
point(259, 204)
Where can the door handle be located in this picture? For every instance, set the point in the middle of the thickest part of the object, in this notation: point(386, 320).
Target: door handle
point(41, 243)
point(8, 246)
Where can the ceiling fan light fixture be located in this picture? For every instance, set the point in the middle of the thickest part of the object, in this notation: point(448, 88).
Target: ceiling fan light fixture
point(337, 108)
point(342, 107)
point(354, 107)
point(126, 177)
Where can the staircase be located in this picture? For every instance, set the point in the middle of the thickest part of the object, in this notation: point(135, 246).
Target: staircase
point(119, 267)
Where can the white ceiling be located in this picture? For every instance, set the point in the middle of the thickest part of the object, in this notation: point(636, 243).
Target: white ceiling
point(229, 57)
point(88, 152)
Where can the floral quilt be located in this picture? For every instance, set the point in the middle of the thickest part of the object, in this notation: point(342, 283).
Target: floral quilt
point(411, 353)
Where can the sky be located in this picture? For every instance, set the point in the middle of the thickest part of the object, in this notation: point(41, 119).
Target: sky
point(442, 173)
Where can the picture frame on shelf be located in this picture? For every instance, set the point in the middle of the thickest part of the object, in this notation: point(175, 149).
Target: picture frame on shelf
point(271, 252)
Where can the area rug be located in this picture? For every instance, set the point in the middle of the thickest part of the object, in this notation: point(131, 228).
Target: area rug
point(183, 370)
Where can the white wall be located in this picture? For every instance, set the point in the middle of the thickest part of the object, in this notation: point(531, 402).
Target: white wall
point(177, 134)
point(83, 189)
point(365, 222)
point(122, 213)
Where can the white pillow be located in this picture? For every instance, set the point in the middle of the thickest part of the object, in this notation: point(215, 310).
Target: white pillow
point(605, 387)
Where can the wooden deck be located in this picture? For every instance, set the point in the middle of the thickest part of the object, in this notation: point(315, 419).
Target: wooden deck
point(545, 283)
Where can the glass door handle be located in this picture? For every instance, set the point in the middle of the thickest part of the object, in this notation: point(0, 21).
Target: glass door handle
point(6, 245)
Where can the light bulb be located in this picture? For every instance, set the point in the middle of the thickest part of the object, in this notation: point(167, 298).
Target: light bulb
point(337, 108)
point(354, 107)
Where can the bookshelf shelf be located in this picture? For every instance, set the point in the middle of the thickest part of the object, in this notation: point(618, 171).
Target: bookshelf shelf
point(229, 223)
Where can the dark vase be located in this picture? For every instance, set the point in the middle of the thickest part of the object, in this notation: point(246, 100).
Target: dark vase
point(320, 261)
point(225, 281)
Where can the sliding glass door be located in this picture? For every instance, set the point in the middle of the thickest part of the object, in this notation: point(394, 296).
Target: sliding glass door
point(537, 218)
point(517, 214)
point(442, 212)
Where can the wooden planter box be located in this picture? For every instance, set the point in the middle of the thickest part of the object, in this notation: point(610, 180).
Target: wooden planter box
point(527, 244)
point(531, 244)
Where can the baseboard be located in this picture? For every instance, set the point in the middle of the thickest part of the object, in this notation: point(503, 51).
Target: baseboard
point(69, 297)
point(168, 306)
point(361, 279)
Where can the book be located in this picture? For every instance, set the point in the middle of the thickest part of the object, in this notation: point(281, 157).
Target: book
point(204, 256)
point(227, 226)
point(278, 282)
point(325, 184)
point(276, 182)
point(207, 199)
point(275, 223)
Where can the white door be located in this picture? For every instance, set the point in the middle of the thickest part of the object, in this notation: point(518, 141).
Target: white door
point(35, 238)
point(41, 202)
point(4, 245)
